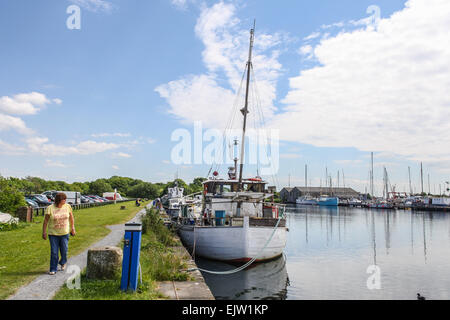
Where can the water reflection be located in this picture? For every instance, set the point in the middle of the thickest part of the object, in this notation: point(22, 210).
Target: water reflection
point(340, 243)
point(262, 281)
point(329, 250)
point(374, 240)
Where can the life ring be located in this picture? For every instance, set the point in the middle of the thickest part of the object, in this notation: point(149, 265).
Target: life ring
point(254, 179)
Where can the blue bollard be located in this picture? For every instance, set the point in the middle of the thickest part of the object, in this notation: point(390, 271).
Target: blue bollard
point(131, 253)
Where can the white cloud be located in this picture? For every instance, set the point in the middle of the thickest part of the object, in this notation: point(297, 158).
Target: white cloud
point(121, 155)
point(307, 51)
point(11, 150)
point(383, 89)
point(290, 156)
point(95, 5)
point(118, 134)
point(349, 162)
point(313, 35)
point(210, 97)
point(179, 4)
point(13, 123)
point(54, 164)
point(25, 103)
point(115, 167)
point(41, 146)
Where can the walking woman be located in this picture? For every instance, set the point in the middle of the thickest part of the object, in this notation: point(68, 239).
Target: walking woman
point(60, 222)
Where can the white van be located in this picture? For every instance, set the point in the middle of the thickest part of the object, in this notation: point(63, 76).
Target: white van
point(110, 196)
point(73, 197)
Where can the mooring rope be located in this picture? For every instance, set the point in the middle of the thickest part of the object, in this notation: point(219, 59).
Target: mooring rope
point(245, 265)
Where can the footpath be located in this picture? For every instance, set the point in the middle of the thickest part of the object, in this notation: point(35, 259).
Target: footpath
point(45, 286)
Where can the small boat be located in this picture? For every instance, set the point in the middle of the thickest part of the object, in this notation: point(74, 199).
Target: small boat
point(173, 201)
point(354, 202)
point(380, 205)
point(306, 201)
point(328, 201)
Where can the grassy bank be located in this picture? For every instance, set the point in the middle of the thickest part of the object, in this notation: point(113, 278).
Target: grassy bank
point(159, 262)
point(24, 255)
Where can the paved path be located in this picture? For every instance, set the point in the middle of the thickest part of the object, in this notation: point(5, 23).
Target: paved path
point(45, 287)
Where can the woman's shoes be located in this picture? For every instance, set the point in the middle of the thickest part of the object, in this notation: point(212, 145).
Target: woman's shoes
point(51, 273)
point(63, 267)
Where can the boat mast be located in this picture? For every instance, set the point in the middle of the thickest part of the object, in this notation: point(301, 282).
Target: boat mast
point(410, 186)
point(421, 177)
point(245, 109)
point(371, 177)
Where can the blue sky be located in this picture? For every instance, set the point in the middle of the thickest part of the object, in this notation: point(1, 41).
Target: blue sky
point(77, 105)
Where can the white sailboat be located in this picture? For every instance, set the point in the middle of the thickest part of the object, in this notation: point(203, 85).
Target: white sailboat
point(237, 224)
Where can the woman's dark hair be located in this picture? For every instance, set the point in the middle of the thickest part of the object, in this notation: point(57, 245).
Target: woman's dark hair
point(60, 197)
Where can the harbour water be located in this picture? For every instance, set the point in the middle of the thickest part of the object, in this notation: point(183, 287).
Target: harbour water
point(348, 253)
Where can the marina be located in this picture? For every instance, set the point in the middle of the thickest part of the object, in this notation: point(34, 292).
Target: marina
point(225, 150)
point(330, 250)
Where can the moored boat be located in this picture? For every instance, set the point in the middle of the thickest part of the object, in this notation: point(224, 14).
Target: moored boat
point(328, 201)
point(238, 223)
point(306, 201)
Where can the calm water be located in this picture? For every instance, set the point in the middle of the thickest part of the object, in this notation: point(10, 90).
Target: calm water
point(329, 251)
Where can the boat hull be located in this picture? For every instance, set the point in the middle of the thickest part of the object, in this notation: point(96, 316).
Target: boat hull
point(234, 244)
point(306, 202)
point(329, 202)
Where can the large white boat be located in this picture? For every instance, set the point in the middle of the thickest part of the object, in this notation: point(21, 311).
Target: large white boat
point(238, 223)
point(174, 201)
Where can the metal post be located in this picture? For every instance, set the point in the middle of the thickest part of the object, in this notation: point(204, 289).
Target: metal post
point(131, 254)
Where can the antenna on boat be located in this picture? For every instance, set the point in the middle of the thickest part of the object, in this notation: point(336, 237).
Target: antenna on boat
point(245, 109)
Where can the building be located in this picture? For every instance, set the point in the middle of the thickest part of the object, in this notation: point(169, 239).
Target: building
point(290, 195)
point(287, 195)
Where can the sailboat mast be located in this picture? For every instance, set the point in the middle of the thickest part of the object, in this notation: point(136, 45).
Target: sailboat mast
point(245, 109)
point(409, 176)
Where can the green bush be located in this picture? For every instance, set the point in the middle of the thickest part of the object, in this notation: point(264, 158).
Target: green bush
point(10, 197)
point(151, 221)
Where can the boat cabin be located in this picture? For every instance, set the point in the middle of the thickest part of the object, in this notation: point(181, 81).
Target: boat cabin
point(219, 187)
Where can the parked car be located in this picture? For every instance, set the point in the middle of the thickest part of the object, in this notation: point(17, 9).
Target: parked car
point(86, 199)
point(50, 194)
point(31, 203)
point(100, 198)
point(94, 198)
point(41, 200)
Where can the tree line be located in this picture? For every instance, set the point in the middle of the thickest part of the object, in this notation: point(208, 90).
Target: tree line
point(13, 190)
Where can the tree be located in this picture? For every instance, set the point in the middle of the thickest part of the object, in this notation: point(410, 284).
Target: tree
point(99, 186)
point(81, 187)
point(196, 185)
point(10, 197)
point(143, 190)
point(181, 184)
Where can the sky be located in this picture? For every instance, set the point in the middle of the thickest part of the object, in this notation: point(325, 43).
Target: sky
point(95, 88)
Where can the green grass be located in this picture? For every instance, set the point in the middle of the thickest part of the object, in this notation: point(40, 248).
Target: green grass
point(158, 260)
point(24, 255)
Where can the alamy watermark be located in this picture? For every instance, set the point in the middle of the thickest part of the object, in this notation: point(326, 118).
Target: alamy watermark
point(73, 22)
point(74, 281)
point(374, 280)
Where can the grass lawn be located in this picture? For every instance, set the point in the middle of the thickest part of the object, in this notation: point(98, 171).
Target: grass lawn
point(24, 255)
point(159, 262)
